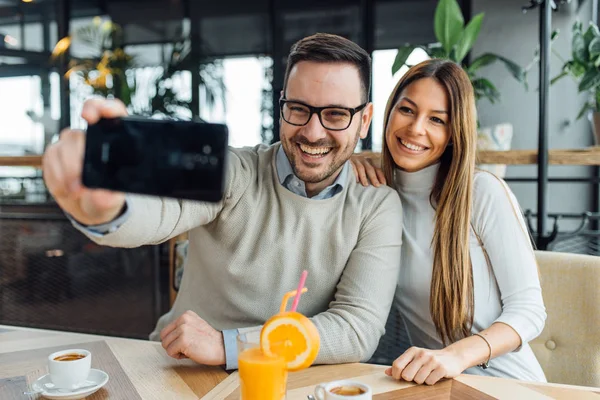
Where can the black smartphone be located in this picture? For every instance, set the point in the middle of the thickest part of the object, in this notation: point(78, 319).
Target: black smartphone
point(179, 159)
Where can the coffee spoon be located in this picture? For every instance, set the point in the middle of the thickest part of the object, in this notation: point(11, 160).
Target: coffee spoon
point(59, 390)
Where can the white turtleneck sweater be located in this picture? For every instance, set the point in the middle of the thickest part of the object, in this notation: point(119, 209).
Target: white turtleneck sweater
point(509, 292)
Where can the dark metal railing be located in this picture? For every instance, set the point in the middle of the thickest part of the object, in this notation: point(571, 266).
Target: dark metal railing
point(54, 277)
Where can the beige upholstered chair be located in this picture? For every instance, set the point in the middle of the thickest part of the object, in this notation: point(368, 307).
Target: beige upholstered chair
point(569, 347)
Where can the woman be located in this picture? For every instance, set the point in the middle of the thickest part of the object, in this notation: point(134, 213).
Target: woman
point(468, 293)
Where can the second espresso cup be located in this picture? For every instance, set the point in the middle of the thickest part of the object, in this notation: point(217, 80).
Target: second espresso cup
point(343, 390)
point(69, 368)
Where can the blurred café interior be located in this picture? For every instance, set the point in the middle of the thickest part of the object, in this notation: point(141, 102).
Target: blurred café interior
point(223, 61)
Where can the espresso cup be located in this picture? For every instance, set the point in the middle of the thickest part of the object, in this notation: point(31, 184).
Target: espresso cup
point(69, 368)
point(343, 390)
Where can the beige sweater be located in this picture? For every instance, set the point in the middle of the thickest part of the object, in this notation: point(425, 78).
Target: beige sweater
point(247, 251)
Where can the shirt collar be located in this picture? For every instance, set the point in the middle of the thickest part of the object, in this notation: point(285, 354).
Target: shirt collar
point(286, 176)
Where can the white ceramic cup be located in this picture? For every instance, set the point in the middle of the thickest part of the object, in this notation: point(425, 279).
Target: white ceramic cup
point(69, 374)
point(323, 391)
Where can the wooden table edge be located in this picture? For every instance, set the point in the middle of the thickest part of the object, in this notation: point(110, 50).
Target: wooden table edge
point(88, 335)
point(529, 383)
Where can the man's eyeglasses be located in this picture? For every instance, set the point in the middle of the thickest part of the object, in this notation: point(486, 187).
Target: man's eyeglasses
point(332, 118)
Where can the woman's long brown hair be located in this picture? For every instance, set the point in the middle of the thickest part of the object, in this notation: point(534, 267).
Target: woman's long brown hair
point(451, 298)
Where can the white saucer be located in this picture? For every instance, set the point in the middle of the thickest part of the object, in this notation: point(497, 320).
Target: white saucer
point(96, 377)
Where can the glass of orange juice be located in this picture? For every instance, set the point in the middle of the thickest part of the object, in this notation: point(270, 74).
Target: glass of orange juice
point(261, 377)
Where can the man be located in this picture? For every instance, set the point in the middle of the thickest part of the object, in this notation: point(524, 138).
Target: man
point(287, 207)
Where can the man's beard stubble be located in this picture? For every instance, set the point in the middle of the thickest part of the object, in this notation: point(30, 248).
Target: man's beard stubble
point(335, 164)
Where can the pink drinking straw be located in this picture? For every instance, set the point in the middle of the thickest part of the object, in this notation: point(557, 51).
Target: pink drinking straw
point(299, 291)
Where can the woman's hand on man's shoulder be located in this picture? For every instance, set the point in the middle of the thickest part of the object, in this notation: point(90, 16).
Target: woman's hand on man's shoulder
point(367, 169)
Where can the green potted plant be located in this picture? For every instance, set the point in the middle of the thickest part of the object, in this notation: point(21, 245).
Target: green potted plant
point(104, 69)
point(454, 41)
point(584, 67)
point(107, 63)
point(166, 99)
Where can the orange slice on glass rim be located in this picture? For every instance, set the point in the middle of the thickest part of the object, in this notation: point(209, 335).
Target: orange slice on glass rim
point(292, 336)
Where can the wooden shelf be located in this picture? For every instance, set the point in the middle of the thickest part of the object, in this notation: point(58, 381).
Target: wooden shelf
point(588, 156)
point(21, 161)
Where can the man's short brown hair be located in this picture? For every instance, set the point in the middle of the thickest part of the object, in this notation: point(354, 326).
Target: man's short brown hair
point(328, 48)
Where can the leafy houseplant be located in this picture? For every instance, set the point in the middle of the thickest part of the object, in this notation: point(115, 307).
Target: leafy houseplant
point(109, 70)
point(584, 66)
point(455, 40)
point(166, 100)
point(104, 69)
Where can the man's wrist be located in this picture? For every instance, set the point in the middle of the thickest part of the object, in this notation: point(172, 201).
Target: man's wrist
point(103, 229)
point(111, 219)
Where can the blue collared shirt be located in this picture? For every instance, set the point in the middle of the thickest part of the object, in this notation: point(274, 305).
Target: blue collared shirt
point(292, 183)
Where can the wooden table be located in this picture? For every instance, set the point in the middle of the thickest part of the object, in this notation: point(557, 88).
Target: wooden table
point(141, 370)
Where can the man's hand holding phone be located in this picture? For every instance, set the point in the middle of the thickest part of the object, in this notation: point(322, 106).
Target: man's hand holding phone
point(62, 170)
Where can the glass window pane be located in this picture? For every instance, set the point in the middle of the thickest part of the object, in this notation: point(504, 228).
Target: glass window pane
point(53, 33)
point(383, 84)
point(79, 93)
point(149, 54)
point(30, 38)
point(12, 36)
point(55, 95)
point(85, 42)
point(243, 78)
point(33, 39)
point(20, 134)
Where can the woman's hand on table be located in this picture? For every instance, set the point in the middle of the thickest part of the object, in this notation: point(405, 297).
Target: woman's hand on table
point(426, 366)
point(189, 336)
point(366, 171)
